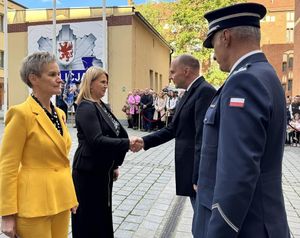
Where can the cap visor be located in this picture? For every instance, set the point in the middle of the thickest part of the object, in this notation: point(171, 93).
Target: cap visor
point(207, 42)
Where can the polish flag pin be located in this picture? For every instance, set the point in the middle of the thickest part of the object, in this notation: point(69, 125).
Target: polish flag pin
point(237, 102)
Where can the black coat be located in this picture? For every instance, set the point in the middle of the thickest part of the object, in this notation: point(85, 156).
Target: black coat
point(239, 186)
point(186, 128)
point(98, 144)
point(100, 150)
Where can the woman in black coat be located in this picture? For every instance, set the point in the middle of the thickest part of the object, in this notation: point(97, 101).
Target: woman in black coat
point(102, 145)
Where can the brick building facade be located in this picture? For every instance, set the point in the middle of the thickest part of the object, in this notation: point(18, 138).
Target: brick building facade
point(296, 72)
point(280, 40)
point(277, 54)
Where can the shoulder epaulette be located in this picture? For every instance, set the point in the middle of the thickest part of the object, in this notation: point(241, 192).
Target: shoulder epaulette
point(244, 68)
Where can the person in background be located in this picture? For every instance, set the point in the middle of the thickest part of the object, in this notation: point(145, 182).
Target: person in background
point(134, 102)
point(296, 105)
point(171, 105)
point(126, 110)
point(146, 105)
point(60, 103)
point(239, 193)
point(289, 117)
point(36, 188)
point(160, 110)
point(294, 133)
point(102, 146)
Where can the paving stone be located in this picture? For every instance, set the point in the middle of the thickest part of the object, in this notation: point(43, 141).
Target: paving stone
point(139, 212)
point(123, 234)
point(130, 226)
point(134, 219)
point(150, 225)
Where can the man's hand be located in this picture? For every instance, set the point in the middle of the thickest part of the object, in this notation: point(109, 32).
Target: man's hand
point(116, 174)
point(195, 187)
point(136, 144)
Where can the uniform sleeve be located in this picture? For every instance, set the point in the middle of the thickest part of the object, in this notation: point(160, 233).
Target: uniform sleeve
point(13, 142)
point(87, 119)
point(242, 139)
point(201, 106)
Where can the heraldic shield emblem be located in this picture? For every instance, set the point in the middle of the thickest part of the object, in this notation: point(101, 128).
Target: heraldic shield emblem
point(65, 51)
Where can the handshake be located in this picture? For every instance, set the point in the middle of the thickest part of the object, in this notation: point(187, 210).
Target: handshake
point(136, 143)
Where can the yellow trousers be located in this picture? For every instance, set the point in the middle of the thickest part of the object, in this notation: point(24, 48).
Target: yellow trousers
point(55, 226)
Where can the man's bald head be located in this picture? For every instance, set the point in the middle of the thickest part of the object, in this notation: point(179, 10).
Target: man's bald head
point(184, 69)
point(190, 61)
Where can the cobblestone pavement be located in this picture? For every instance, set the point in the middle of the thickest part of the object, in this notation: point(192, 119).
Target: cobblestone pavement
point(144, 200)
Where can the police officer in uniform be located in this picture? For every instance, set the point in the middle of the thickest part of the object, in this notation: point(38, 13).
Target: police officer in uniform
point(239, 191)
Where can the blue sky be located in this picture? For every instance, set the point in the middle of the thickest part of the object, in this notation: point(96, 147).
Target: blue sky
point(75, 3)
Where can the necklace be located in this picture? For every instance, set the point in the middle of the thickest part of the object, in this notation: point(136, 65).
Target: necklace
point(52, 116)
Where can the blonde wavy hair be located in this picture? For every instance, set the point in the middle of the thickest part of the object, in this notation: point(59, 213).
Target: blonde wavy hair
point(85, 86)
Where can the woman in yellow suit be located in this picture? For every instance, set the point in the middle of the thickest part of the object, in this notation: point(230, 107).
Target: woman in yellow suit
point(36, 188)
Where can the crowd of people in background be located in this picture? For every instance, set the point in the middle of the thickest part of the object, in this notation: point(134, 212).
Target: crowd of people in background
point(148, 110)
point(293, 120)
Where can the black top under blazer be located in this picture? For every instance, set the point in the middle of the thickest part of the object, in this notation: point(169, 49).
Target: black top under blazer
point(99, 145)
point(186, 128)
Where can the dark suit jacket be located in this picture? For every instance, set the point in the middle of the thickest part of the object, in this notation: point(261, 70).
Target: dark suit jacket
point(100, 150)
point(186, 128)
point(239, 186)
point(99, 146)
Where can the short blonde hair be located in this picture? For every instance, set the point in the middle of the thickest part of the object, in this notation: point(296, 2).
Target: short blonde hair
point(90, 75)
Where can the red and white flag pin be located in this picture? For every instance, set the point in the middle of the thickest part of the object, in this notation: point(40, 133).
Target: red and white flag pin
point(237, 102)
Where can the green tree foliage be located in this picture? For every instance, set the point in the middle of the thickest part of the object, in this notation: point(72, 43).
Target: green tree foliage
point(182, 24)
point(188, 19)
point(159, 15)
point(214, 75)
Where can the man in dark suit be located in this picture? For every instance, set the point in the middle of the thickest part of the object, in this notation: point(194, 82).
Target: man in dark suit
point(147, 106)
point(239, 186)
point(186, 126)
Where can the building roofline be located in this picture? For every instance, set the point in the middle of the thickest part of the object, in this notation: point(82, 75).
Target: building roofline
point(143, 19)
point(14, 2)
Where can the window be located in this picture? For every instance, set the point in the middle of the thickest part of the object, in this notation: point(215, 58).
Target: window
point(151, 78)
point(156, 82)
point(290, 25)
point(1, 23)
point(1, 59)
point(284, 87)
point(290, 16)
point(290, 62)
point(290, 85)
point(160, 82)
point(290, 35)
point(284, 66)
point(270, 18)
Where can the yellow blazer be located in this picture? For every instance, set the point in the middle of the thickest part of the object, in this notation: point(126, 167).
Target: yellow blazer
point(35, 174)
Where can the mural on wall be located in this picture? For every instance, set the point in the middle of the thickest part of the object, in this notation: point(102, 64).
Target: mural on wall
point(78, 47)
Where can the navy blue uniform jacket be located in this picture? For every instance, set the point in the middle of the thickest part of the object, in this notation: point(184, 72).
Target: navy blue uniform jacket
point(186, 127)
point(239, 186)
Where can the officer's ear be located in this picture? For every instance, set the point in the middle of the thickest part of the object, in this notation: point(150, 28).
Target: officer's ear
point(225, 37)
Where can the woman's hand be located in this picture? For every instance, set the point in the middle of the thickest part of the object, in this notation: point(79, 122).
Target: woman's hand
point(74, 209)
point(116, 174)
point(8, 226)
